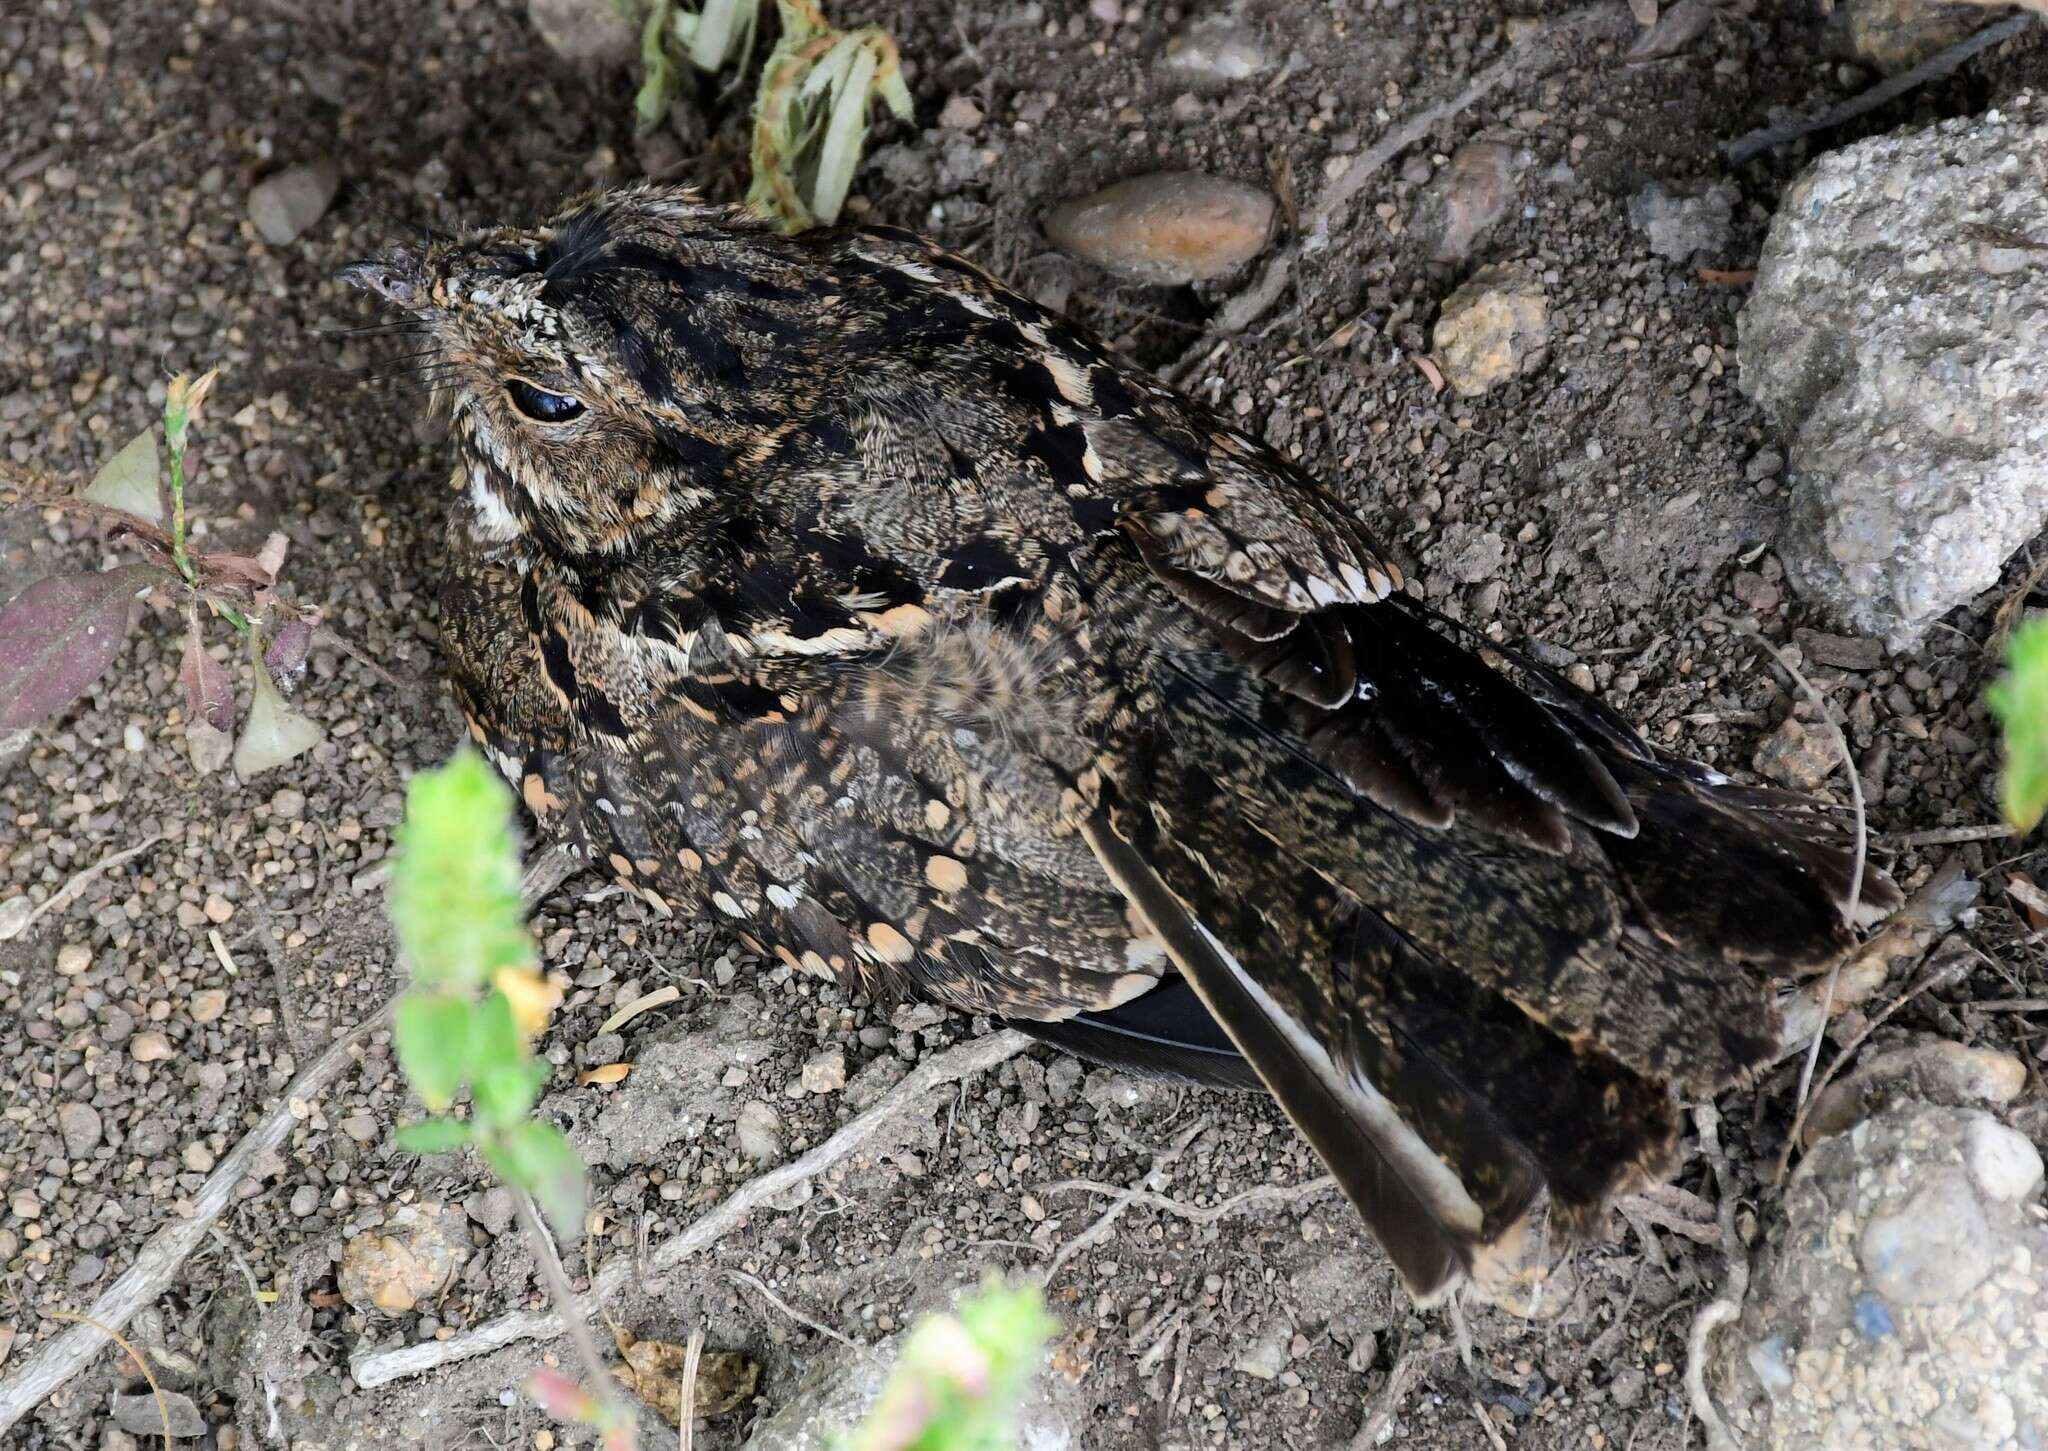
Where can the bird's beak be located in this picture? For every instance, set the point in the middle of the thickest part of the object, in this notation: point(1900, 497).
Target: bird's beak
point(395, 277)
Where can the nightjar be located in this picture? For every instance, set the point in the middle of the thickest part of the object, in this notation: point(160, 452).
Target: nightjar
point(825, 584)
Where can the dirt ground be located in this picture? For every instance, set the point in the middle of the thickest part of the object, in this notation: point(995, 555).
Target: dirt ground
point(1610, 505)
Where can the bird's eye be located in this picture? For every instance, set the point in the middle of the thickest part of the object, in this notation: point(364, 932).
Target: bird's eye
point(541, 406)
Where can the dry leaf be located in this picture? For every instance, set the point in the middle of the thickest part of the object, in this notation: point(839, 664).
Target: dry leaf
point(660, 997)
point(604, 1073)
point(654, 1371)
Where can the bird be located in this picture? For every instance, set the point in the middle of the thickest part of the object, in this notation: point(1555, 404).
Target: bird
point(827, 586)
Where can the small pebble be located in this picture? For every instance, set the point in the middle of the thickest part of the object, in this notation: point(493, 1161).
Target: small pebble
point(1797, 755)
point(141, 1414)
point(208, 1004)
point(73, 959)
point(1167, 228)
point(760, 1131)
point(151, 1047)
point(825, 1072)
point(1494, 328)
point(284, 205)
point(79, 1123)
point(960, 114)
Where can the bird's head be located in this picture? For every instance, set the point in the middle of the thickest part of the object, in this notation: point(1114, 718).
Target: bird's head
point(610, 371)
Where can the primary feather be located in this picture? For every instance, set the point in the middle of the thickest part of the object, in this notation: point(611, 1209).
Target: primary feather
point(857, 599)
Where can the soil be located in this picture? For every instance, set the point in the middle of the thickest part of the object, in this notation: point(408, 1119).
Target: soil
point(1619, 504)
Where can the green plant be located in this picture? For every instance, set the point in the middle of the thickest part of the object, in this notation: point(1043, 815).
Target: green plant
point(476, 1002)
point(959, 1380)
point(811, 108)
point(61, 634)
point(2019, 699)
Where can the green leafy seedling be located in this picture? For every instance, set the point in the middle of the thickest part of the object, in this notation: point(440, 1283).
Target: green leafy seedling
point(467, 1023)
point(812, 102)
point(2019, 699)
point(960, 1378)
point(477, 999)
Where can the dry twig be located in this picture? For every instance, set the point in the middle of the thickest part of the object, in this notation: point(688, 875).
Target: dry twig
point(12, 927)
point(1940, 976)
point(1154, 1176)
point(960, 1062)
point(1382, 1417)
point(1204, 1214)
point(62, 1357)
point(760, 1286)
point(1537, 52)
point(1820, 703)
point(1728, 1305)
point(686, 1398)
point(1756, 143)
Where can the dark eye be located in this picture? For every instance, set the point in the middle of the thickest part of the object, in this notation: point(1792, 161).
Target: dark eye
point(540, 406)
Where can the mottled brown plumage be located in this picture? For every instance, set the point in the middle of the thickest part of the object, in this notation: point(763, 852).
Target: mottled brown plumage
point(825, 584)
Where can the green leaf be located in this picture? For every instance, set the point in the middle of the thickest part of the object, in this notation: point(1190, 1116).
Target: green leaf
point(659, 78)
point(455, 885)
point(537, 1157)
point(2020, 701)
point(274, 732)
point(958, 1382)
point(507, 1095)
point(432, 1136)
point(433, 1041)
point(129, 480)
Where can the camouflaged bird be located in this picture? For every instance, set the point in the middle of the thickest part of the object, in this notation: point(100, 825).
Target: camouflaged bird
point(828, 585)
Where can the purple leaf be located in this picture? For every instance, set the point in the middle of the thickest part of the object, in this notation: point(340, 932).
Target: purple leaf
point(286, 656)
point(209, 694)
point(59, 635)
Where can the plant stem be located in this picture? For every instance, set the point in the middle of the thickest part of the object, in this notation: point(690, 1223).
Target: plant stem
point(603, 1384)
point(176, 437)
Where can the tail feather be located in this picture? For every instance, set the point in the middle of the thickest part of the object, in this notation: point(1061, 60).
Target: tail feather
point(1472, 933)
point(1417, 1208)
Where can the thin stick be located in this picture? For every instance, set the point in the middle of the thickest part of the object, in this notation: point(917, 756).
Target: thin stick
point(760, 1287)
point(66, 894)
point(62, 1356)
point(1389, 1406)
point(686, 1397)
point(163, 1407)
point(963, 1061)
point(158, 1264)
point(1769, 138)
point(1941, 976)
point(1486, 1425)
point(1827, 1001)
point(1728, 1305)
point(1945, 836)
point(1154, 1176)
point(1265, 1194)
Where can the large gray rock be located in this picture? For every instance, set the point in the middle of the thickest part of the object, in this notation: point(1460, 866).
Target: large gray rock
point(1898, 330)
point(1900, 1303)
